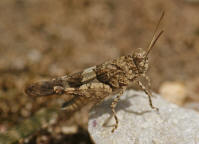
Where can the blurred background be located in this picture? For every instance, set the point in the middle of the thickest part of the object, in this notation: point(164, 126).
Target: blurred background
point(41, 40)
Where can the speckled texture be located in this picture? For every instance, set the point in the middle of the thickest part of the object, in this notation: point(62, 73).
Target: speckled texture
point(43, 39)
point(138, 124)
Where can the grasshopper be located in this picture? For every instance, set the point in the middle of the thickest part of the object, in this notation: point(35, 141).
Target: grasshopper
point(96, 83)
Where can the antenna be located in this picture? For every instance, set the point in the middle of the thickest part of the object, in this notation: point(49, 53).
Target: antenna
point(154, 38)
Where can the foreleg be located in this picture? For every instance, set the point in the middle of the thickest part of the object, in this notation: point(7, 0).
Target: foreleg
point(148, 94)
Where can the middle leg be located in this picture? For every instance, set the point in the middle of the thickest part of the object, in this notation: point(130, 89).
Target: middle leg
point(113, 106)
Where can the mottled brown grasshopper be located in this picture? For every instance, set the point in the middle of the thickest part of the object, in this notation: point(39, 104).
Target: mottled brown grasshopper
point(96, 83)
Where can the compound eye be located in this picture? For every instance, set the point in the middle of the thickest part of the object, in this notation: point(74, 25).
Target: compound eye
point(139, 53)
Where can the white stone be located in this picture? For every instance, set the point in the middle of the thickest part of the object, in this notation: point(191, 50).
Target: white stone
point(139, 124)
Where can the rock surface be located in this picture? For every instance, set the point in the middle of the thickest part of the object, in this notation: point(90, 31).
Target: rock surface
point(139, 124)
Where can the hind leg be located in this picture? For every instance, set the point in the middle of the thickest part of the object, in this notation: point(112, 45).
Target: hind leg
point(90, 93)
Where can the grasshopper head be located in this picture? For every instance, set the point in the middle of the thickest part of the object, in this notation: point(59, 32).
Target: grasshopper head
point(140, 59)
